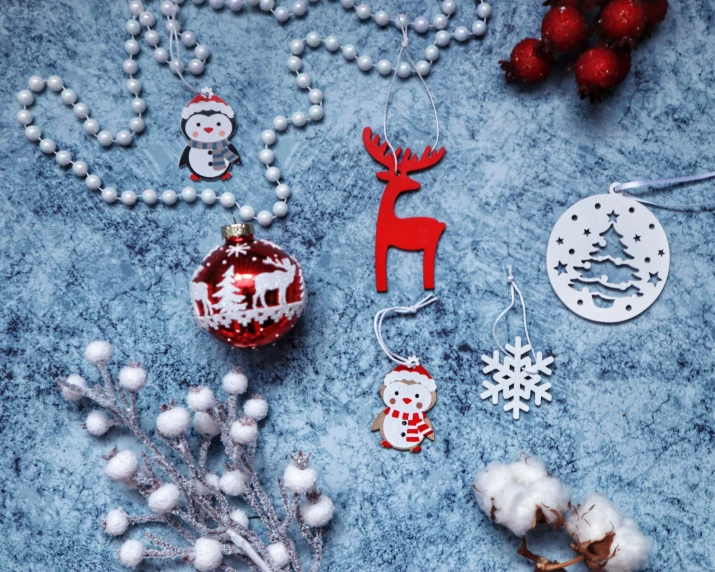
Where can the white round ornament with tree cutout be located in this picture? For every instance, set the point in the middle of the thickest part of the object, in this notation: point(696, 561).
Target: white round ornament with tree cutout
point(608, 258)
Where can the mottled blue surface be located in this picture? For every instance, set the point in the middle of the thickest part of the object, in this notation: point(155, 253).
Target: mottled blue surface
point(632, 409)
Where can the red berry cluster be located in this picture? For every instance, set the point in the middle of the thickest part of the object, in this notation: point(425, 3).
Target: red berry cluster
point(618, 26)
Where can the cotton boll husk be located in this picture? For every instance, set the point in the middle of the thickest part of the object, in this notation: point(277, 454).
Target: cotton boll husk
point(244, 432)
point(116, 522)
point(205, 425)
point(234, 382)
point(299, 480)
point(319, 513)
point(595, 517)
point(132, 378)
point(77, 380)
point(200, 398)
point(122, 466)
point(131, 553)
point(278, 554)
point(208, 554)
point(233, 483)
point(164, 499)
point(97, 423)
point(633, 548)
point(256, 408)
point(239, 517)
point(98, 352)
point(173, 422)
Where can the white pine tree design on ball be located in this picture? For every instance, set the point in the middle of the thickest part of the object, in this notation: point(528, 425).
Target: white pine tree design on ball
point(230, 300)
point(517, 378)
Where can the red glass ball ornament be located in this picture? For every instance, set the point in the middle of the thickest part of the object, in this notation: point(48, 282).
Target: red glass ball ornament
point(247, 292)
point(623, 20)
point(564, 28)
point(528, 62)
point(598, 70)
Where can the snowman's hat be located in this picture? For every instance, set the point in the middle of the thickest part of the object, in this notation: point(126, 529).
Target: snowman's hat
point(417, 373)
point(206, 101)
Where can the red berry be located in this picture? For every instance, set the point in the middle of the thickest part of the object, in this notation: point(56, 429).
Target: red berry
point(655, 10)
point(623, 20)
point(563, 28)
point(528, 62)
point(597, 71)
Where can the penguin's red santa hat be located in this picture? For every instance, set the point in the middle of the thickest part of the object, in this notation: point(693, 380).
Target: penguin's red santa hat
point(207, 100)
point(416, 373)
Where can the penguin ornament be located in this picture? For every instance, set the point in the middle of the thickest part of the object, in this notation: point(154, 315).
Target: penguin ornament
point(208, 122)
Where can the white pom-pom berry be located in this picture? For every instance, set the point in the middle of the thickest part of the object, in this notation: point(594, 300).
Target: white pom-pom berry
point(131, 553)
point(212, 480)
point(97, 423)
point(200, 399)
point(132, 377)
point(173, 422)
point(278, 554)
point(98, 352)
point(164, 499)
point(244, 431)
point(318, 513)
point(122, 466)
point(116, 522)
point(235, 382)
point(77, 380)
point(205, 425)
point(239, 517)
point(255, 408)
point(299, 480)
point(233, 483)
point(208, 554)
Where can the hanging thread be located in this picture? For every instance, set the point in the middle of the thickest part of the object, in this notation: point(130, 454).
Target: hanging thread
point(621, 188)
point(411, 361)
point(177, 61)
point(403, 49)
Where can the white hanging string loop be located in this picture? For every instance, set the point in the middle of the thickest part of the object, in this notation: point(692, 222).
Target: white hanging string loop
point(176, 60)
point(411, 361)
point(513, 288)
point(403, 49)
point(623, 187)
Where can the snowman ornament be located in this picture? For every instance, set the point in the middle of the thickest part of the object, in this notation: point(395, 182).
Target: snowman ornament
point(209, 123)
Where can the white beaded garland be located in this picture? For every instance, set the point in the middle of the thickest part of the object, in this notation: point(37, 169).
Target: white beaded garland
point(365, 63)
point(109, 195)
point(169, 197)
point(227, 200)
point(151, 38)
point(68, 96)
point(149, 196)
point(246, 213)
point(280, 209)
point(264, 218)
point(48, 146)
point(280, 123)
point(138, 105)
point(303, 81)
point(161, 55)
point(363, 12)
point(147, 19)
point(202, 52)
point(484, 10)
point(273, 174)
point(136, 124)
point(316, 112)
point(63, 158)
point(133, 27)
point(91, 126)
point(442, 38)
point(461, 34)
point(105, 138)
point(266, 156)
point(80, 168)
point(281, 14)
point(188, 38)
point(283, 191)
point(382, 18)
point(421, 25)
point(431, 53)
point(404, 70)
point(93, 182)
point(313, 39)
point(124, 138)
point(479, 28)
point(36, 83)
point(297, 47)
point(130, 66)
point(423, 67)
point(188, 194)
point(24, 117)
point(384, 67)
point(129, 198)
point(25, 97)
point(208, 196)
point(55, 83)
point(349, 52)
point(440, 21)
point(298, 118)
point(196, 66)
point(132, 47)
point(235, 5)
point(294, 63)
point(315, 95)
point(299, 8)
point(268, 137)
point(332, 44)
point(33, 133)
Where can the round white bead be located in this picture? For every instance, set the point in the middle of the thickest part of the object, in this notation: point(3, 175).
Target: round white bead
point(161, 55)
point(36, 83)
point(363, 11)
point(461, 34)
point(109, 195)
point(196, 66)
point(68, 96)
point(202, 52)
point(227, 200)
point(266, 156)
point(316, 112)
point(280, 209)
point(402, 21)
point(264, 218)
point(81, 110)
point(404, 70)
point(235, 5)
point(188, 38)
point(246, 213)
point(347, 4)
point(136, 7)
point(266, 5)
point(147, 19)
point(281, 14)
point(176, 66)
point(449, 7)
point(484, 10)
point(104, 138)
point(93, 182)
point(132, 47)
point(349, 52)
point(303, 81)
point(149, 196)
point(382, 18)
point(168, 8)
point(364, 63)
point(332, 44)
point(169, 197)
point(442, 38)
point(151, 37)
point(63, 158)
point(173, 26)
point(273, 174)
point(124, 138)
point(297, 47)
point(299, 8)
point(80, 168)
point(280, 123)
point(315, 95)
point(313, 39)
point(138, 105)
point(129, 198)
point(217, 4)
point(188, 194)
point(208, 196)
point(48, 146)
point(479, 28)
point(25, 97)
point(421, 25)
point(130, 66)
point(136, 124)
point(440, 21)
point(268, 137)
point(91, 126)
point(431, 53)
point(298, 118)
point(55, 83)
point(283, 191)
point(33, 132)
point(24, 117)
point(294, 63)
point(384, 67)
point(423, 67)
point(133, 27)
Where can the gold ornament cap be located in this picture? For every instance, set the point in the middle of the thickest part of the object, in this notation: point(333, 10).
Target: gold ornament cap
point(237, 229)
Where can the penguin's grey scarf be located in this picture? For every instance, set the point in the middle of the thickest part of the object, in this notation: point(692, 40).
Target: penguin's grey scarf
point(220, 151)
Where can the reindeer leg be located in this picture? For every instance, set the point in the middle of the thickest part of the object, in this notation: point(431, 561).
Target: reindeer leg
point(428, 262)
point(381, 267)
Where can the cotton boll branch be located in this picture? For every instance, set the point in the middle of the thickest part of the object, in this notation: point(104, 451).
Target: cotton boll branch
point(183, 494)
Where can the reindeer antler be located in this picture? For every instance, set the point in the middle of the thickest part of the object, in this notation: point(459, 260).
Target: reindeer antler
point(282, 263)
point(410, 162)
point(379, 151)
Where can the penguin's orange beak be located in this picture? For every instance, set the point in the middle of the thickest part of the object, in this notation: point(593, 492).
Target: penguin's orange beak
point(208, 129)
point(407, 400)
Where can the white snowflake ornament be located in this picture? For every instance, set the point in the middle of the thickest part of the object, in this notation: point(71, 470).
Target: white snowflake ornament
point(517, 378)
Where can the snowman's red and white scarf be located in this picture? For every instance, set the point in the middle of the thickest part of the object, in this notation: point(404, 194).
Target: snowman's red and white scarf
point(417, 429)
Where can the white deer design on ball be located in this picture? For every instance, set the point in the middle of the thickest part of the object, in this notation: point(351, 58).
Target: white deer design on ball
point(199, 292)
point(277, 280)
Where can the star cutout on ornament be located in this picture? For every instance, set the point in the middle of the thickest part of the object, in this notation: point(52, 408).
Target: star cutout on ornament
point(559, 241)
point(613, 216)
point(587, 232)
point(561, 268)
point(654, 278)
point(661, 253)
point(237, 250)
point(637, 238)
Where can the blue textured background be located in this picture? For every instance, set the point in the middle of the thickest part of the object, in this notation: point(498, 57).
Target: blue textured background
point(632, 409)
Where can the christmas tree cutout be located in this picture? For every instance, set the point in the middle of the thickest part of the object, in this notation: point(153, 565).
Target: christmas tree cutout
point(231, 303)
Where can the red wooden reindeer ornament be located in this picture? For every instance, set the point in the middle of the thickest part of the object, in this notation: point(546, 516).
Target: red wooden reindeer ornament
point(414, 233)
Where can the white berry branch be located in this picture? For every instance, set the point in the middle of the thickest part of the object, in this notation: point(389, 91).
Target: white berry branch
point(183, 493)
